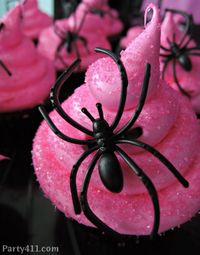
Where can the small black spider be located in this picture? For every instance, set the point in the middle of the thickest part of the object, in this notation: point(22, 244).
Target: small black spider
point(180, 52)
point(2, 25)
point(69, 39)
point(105, 141)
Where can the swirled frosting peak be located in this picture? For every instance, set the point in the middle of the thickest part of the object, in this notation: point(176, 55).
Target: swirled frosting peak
point(30, 75)
point(34, 20)
point(103, 78)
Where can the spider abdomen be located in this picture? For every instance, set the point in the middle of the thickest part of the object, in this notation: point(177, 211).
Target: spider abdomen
point(110, 172)
point(185, 62)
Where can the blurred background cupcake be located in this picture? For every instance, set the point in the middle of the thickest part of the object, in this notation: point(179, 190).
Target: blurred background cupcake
point(26, 78)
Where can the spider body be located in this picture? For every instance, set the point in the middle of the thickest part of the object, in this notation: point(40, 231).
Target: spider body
point(70, 40)
point(109, 167)
point(104, 144)
point(181, 55)
point(179, 52)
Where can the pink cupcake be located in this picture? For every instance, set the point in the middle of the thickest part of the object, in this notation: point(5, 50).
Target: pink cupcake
point(180, 61)
point(34, 20)
point(62, 43)
point(116, 206)
point(26, 76)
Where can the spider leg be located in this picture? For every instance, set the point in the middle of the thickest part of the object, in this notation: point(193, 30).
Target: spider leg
point(193, 48)
point(54, 97)
point(124, 85)
point(140, 103)
point(176, 79)
point(165, 67)
point(57, 55)
point(193, 53)
point(163, 48)
point(84, 201)
point(166, 55)
point(59, 32)
point(73, 187)
point(159, 156)
point(61, 44)
point(58, 132)
point(76, 50)
point(82, 22)
point(61, 59)
point(188, 20)
point(84, 42)
point(148, 184)
point(187, 42)
point(5, 68)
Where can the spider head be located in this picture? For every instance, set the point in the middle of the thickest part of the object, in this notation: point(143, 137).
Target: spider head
point(70, 38)
point(100, 126)
point(102, 133)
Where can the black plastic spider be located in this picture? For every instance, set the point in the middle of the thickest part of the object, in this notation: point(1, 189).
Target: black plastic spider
point(2, 25)
point(105, 141)
point(179, 52)
point(69, 39)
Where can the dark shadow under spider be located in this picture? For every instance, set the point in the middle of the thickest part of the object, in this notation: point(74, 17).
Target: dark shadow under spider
point(179, 52)
point(106, 142)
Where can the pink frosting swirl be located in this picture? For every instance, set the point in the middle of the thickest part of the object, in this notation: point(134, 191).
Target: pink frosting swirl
point(106, 87)
point(189, 80)
point(32, 75)
point(132, 33)
point(34, 20)
point(168, 124)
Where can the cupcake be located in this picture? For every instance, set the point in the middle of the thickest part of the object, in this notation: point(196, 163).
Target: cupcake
point(65, 41)
point(26, 76)
point(180, 61)
point(62, 43)
point(34, 20)
point(125, 208)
